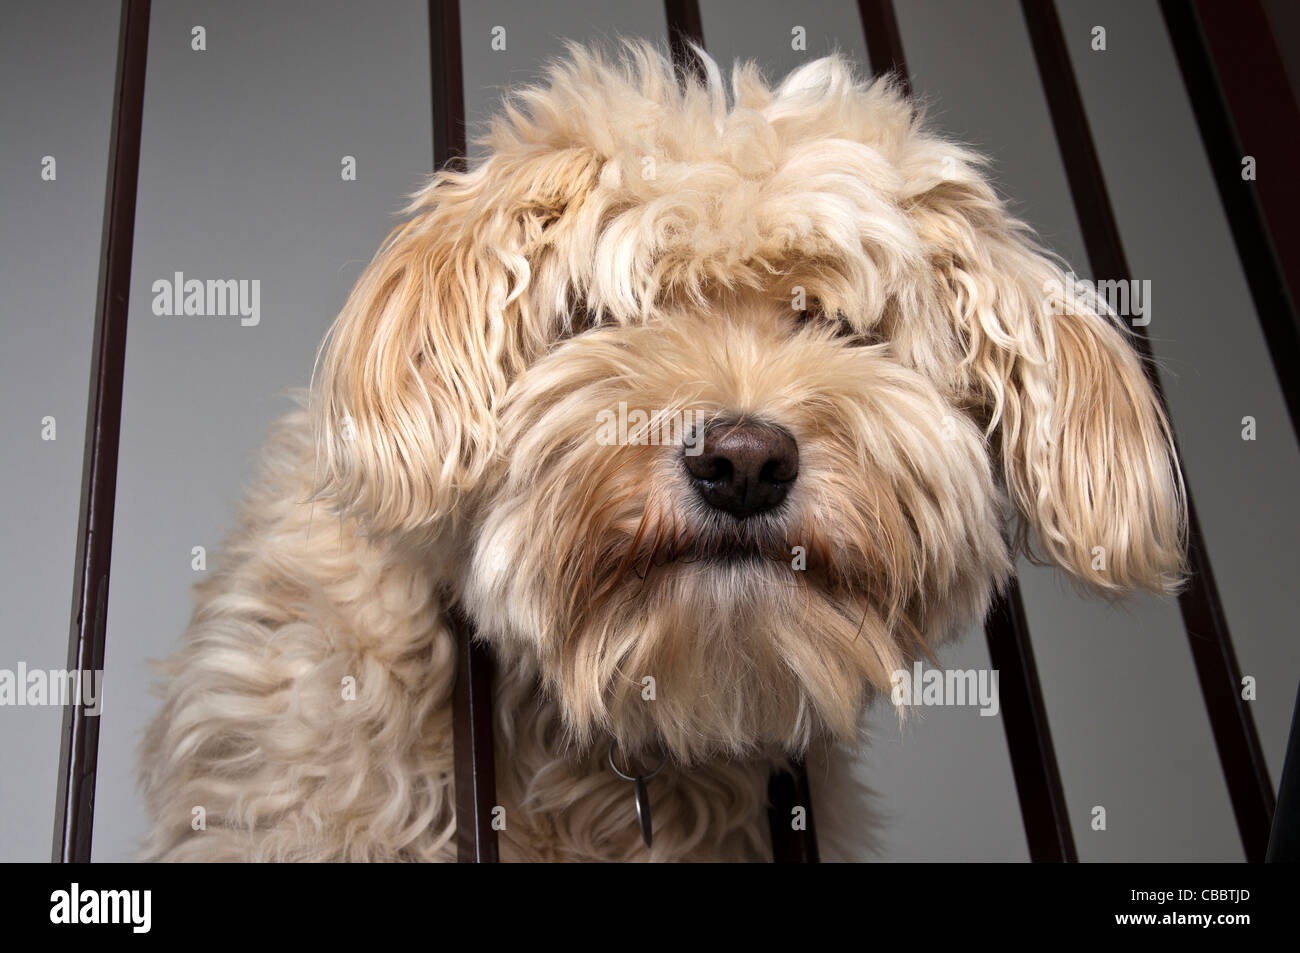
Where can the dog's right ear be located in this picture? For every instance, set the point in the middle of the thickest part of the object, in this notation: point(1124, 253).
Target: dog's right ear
point(409, 377)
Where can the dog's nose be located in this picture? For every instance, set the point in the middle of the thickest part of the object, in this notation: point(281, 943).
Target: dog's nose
point(744, 468)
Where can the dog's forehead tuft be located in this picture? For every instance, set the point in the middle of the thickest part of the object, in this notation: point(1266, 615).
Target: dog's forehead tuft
point(701, 185)
point(607, 103)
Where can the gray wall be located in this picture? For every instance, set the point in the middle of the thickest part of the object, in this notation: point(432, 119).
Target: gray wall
point(1214, 361)
point(57, 64)
point(1130, 729)
point(240, 178)
point(534, 33)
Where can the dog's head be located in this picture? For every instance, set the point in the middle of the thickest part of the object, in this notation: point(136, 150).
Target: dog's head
point(723, 402)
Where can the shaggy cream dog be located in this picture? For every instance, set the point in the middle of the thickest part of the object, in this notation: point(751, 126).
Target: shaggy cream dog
point(882, 368)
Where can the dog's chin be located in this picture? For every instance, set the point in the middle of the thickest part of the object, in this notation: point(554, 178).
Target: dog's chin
point(718, 651)
point(746, 655)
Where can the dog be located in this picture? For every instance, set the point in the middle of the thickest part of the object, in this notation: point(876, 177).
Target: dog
point(848, 387)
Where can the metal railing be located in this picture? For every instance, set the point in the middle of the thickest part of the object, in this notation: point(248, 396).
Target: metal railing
point(1029, 739)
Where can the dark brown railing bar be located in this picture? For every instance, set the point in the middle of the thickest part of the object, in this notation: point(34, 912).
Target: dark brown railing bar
point(74, 811)
point(787, 790)
point(1240, 755)
point(448, 82)
point(1029, 736)
point(1011, 652)
point(684, 28)
point(884, 42)
point(1250, 99)
point(1284, 842)
point(474, 755)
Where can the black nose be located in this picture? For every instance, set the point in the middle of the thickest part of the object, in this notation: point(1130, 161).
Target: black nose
point(745, 468)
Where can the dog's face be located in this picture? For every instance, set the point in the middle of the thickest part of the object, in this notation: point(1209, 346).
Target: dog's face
point(723, 405)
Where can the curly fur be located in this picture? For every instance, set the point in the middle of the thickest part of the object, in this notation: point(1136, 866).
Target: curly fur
point(635, 235)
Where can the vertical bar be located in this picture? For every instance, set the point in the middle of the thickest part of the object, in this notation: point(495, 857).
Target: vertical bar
point(884, 42)
point(1257, 91)
point(1233, 726)
point(786, 790)
point(475, 763)
point(1284, 841)
point(448, 82)
point(684, 27)
point(1029, 736)
point(474, 757)
point(1024, 715)
point(74, 812)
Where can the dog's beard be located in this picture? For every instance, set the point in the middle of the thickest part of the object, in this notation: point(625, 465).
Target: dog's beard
point(709, 655)
point(663, 622)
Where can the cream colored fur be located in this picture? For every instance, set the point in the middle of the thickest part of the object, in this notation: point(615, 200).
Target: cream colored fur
point(635, 237)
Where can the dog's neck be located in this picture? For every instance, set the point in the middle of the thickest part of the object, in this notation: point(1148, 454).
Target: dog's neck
point(542, 779)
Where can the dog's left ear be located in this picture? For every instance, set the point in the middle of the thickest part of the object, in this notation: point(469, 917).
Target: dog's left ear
point(409, 378)
point(1087, 451)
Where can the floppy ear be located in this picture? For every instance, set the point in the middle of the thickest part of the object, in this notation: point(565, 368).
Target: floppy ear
point(1087, 451)
point(409, 377)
